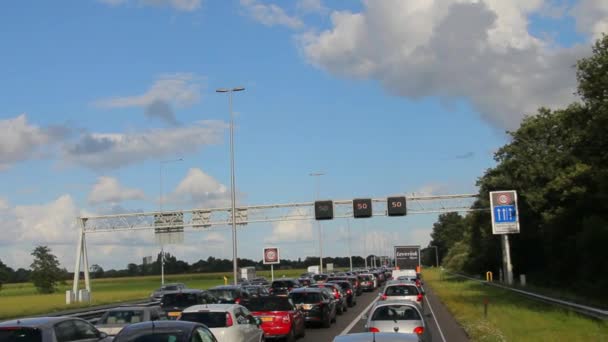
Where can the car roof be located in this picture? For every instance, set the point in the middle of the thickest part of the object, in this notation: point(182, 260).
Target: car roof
point(398, 302)
point(33, 322)
point(185, 291)
point(210, 307)
point(228, 287)
point(378, 337)
point(307, 289)
point(160, 326)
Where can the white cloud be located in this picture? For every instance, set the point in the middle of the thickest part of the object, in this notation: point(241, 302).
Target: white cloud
point(429, 189)
point(215, 238)
point(108, 190)
point(591, 17)
point(201, 190)
point(112, 150)
point(311, 6)
point(270, 14)
point(21, 140)
point(180, 5)
point(291, 231)
point(450, 49)
point(179, 89)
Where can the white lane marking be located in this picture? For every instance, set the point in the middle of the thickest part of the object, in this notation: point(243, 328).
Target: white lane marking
point(435, 319)
point(358, 318)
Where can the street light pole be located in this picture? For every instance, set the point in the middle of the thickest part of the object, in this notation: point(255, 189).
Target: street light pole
point(232, 180)
point(160, 209)
point(319, 228)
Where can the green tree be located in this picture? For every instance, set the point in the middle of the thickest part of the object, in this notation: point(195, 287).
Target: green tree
point(5, 273)
point(45, 270)
point(447, 231)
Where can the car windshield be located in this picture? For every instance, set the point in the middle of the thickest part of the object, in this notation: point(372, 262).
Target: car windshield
point(401, 291)
point(209, 318)
point(224, 294)
point(122, 317)
point(20, 335)
point(270, 304)
point(155, 337)
point(180, 299)
point(306, 297)
point(395, 313)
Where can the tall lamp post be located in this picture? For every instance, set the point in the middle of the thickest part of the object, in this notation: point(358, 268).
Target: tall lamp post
point(317, 189)
point(232, 181)
point(160, 209)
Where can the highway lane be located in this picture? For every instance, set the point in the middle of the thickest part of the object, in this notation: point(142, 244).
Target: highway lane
point(442, 325)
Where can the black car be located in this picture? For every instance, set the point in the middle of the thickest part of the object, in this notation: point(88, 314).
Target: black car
point(338, 293)
point(354, 282)
point(165, 331)
point(351, 297)
point(257, 290)
point(281, 287)
point(231, 294)
point(175, 302)
point(366, 282)
point(167, 288)
point(259, 281)
point(317, 304)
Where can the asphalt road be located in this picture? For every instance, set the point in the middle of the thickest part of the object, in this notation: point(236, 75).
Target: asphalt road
point(442, 325)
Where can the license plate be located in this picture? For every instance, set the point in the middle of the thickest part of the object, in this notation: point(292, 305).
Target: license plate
point(306, 306)
point(174, 314)
point(266, 319)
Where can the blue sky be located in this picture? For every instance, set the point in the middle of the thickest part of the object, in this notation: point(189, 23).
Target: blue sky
point(384, 97)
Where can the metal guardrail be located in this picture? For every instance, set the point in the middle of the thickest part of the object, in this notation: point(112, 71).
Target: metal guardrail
point(92, 314)
point(582, 309)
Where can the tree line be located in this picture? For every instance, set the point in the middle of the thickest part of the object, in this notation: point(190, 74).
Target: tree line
point(557, 160)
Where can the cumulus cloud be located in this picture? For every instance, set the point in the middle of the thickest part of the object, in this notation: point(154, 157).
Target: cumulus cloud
point(180, 5)
point(591, 17)
point(179, 89)
point(452, 49)
point(109, 190)
point(201, 190)
point(112, 150)
point(21, 140)
point(270, 14)
point(291, 231)
point(311, 6)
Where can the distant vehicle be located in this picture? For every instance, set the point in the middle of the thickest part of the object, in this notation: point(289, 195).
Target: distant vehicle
point(259, 281)
point(319, 278)
point(165, 331)
point(397, 316)
point(158, 293)
point(404, 291)
point(305, 280)
point(114, 320)
point(257, 290)
point(280, 317)
point(228, 322)
point(281, 287)
point(50, 329)
point(173, 303)
point(316, 304)
point(378, 337)
point(313, 269)
point(231, 294)
point(368, 281)
point(354, 282)
point(351, 297)
point(338, 293)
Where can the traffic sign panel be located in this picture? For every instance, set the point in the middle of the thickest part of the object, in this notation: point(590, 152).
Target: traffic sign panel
point(324, 210)
point(362, 207)
point(505, 219)
point(271, 255)
point(396, 206)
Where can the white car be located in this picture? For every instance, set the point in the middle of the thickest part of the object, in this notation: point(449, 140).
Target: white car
point(228, 322)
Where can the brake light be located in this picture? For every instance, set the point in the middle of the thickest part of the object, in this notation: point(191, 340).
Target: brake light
point(286, 319)
point(417, 282)
point(237, 301)
point(383, 297)
point(419, 298)
point(418, 330)
point(349, 291)
point(374, 330)
point(229, 319)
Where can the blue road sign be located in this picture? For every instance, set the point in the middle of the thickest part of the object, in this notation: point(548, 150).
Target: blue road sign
point(505, 214)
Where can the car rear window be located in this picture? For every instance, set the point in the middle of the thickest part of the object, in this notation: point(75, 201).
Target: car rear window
point(395, 312)
point(270, 304)
point(282, 283)
point(318, 277)
point(306, 297)
point(18, 334)
point(210, 319)
point(343, 284)
point(401, 290)
point(155, 337)
point(366, 278)
point(224, 295)
point(180, 299)
point(122, 317)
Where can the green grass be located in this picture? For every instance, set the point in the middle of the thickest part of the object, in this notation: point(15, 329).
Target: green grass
point(511, 317)
point(21, 300)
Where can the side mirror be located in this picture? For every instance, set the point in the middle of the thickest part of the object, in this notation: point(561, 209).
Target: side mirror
point(102, 335)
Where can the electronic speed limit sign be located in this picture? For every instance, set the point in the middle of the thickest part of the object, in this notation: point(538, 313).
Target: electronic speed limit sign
point(396, 206)
point(271, 255)
point(362, 207)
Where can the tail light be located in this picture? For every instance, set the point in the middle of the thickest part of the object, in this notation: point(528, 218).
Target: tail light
point(349, 291)
point(375, 330)
point(229, 319)
point(337, 295)
point(383, 297)
point(419, 298)
point(418, 330)
point(237, 301)
point(286, 319)
point(417, 282)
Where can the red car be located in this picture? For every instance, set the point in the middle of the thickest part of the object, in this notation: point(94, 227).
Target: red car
point(280, 318)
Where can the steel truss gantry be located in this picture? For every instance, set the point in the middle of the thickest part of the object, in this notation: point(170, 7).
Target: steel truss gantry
point(203, 219)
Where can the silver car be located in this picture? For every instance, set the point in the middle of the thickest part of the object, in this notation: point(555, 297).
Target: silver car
point(378, 337)
point(228, 322)
point(396, 290)
point(115, 319)
point(399, 316)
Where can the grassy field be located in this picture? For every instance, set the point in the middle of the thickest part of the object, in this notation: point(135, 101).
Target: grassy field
point(21, 300)
point(511, 317)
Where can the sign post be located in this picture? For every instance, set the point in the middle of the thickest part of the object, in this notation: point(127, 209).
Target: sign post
point(505, 220)
point(271, 257)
